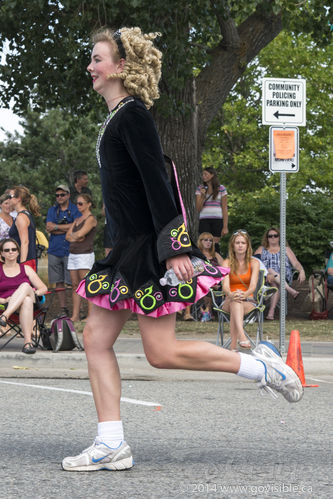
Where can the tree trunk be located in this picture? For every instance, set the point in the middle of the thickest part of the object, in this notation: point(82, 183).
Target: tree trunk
point(183, 136)
point(179, 141)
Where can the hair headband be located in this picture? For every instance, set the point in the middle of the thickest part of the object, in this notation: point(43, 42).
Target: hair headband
point(117, 39)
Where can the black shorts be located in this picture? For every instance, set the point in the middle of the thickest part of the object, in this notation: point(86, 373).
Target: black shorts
point(212, 225)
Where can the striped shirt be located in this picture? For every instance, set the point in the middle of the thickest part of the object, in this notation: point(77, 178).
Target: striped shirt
point(212, 207)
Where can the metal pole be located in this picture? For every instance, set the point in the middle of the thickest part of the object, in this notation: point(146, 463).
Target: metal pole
point(283, 262)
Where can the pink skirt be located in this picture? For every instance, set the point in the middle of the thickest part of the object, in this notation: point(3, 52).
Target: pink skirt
point(167, 297)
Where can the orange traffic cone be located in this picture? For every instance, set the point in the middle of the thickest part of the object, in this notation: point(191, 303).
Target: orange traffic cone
point(294, 357)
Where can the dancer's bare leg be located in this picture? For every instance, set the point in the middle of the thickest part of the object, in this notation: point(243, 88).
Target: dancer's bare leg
point(164, 351)
point(100, 333)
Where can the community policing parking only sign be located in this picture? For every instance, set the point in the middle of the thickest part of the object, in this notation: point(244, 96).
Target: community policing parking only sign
point(283, 101)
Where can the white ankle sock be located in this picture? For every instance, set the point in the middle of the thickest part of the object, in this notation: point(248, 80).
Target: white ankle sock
point(250, 367)
point(111, 433)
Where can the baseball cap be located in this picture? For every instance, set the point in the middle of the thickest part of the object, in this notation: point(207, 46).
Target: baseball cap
point(63, 187)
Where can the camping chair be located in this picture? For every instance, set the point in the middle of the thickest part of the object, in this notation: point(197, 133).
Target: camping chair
point(39, 329)
point(261, 294)
point(14, 329)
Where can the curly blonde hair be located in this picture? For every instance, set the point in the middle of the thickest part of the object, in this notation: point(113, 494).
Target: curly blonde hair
point(142, 69)
point(233, 263)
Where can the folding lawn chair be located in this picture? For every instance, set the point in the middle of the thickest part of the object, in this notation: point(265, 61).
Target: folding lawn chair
point(14, 328)
point(261, 295)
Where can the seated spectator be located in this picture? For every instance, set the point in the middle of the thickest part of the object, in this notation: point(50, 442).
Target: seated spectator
point(206, 246)
point(19, 286)
point(329, 270)
point(6, 220)
point(23, 229)
point(81, 249)
point(269, 252)
point(239, 286)
point(81, 181)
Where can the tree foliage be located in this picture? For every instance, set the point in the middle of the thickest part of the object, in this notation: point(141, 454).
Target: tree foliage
point(207, 47)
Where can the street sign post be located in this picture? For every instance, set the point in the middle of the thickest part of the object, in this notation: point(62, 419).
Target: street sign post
point(283, 149)
point(283, 101)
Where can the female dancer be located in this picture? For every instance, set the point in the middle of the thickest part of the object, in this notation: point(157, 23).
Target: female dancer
point(212, 205)
point(23, 229)
point(239, 286)
point(269, 252)
point(19, 286)
point(81, 250)
point(150, 237)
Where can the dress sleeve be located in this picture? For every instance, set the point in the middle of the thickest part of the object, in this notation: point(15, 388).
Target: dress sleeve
point(138, 132)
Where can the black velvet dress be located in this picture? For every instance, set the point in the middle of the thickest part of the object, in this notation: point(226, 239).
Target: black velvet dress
point(144, 208)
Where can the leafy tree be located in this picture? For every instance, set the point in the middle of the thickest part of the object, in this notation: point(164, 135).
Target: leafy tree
point(237, 145)
point(207, 46)
point(52, 147)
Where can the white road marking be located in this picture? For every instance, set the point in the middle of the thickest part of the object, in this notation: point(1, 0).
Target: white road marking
point(320, 380)
point(42, 387)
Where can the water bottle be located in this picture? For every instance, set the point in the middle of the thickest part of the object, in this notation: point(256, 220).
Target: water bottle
point(170, 278)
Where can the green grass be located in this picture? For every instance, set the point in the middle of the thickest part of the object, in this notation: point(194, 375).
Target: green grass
point(309, 330)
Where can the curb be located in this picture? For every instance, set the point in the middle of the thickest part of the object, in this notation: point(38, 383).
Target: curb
point(132, 366)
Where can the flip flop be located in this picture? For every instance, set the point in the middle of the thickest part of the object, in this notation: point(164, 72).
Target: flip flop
point(244, 344)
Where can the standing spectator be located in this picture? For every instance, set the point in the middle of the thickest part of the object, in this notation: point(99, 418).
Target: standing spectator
point(81, 256)
point(58, 221)
point(6, 220)
point(23, 229)
point(211, 203)
point(81, 181)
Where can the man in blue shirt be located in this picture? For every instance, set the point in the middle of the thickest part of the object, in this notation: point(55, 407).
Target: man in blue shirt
point(59, 219)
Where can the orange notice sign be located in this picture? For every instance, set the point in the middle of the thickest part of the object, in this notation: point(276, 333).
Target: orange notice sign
point(284, 144)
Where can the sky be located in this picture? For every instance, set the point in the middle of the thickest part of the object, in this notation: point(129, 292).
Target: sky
point(8, 121)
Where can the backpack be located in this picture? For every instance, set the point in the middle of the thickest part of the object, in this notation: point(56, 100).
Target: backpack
point(62, 335)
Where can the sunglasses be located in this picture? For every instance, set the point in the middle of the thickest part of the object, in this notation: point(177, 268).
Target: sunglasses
point(62, 195)
point(272, 235)
point(11, 196)
point(79, 203)
point(7, 250)
point(240, 231)
point(207, 240)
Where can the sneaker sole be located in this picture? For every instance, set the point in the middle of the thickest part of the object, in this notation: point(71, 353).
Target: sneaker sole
point(123, 464)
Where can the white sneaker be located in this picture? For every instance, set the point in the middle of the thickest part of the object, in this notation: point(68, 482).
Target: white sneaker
point(100, 456)
point(278, 375)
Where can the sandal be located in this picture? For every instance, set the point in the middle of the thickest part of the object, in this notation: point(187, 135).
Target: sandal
point(28, 348)
point(244, 344)
point(3, 321)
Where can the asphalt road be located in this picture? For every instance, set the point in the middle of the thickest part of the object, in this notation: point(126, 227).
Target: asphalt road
point(199, 438)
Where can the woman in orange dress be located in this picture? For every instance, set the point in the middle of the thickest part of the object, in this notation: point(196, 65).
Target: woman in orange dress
point(239, 285)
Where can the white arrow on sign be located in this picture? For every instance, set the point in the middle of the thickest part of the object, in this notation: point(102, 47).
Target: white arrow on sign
point(283, 101)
